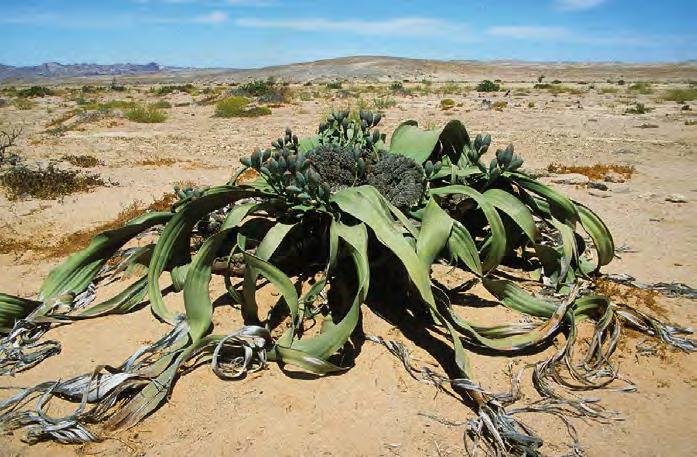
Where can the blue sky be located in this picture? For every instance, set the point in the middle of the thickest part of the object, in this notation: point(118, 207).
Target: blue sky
point(253, 33)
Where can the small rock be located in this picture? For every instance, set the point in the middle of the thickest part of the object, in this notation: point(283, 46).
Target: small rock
point(676, 198)
point(536, 172)
point(597, 185)
point(648, 195)
point(570, 178)
point(596, 193)
point(625, 151)
point(620, 189)
point(613, 176)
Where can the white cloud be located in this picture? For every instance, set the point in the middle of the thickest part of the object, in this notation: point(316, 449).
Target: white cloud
point(528, 32)
point(578, 5)
point(406, 26)
point(214, 17)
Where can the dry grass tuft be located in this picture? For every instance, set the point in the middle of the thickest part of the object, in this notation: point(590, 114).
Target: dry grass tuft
point(597, 171)
point(82, 161)
point(157, 162)
point(632, 296)
point(46, 183)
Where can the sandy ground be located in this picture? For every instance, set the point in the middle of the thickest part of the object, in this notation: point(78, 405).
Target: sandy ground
point(375, 409)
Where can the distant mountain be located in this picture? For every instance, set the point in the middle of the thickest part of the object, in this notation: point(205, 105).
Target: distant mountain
point(372, 68)
point(53, 70)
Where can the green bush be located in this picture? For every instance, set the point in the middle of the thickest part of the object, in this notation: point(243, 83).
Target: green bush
point(396, 86)
point(164, 90)
point(334, 85)
point(447, 103)
point(643, 88)
point(638, 108)
point(162, 104)
point(681, 95)
point(488, 86)
point(24, 104)
point(145, 114)
point(267, 91)
point(237, 106)
point(382, 103)
point(35, 91)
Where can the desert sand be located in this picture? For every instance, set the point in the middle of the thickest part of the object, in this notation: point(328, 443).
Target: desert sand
point(374, 409)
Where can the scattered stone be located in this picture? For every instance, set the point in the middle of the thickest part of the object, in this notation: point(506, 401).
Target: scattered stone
point(625, 151)
point(597, 185)
point(648, 195)
point(536, 172)
point(676, 198)
point(613, 176)
point(647, 126)
point(575, 179)
point(599, 194)
point(620, 189)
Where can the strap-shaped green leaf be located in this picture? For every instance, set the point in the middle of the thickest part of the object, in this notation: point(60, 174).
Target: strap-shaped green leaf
point(599, 233)
point(419, 145)
point(497, 245)
point(510, 205)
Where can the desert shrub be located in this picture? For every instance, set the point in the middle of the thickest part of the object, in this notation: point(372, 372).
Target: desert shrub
point(161, 104)
point(384, 102)
point(237, 106)
point(561, 89)
point(35, 91)
point(450, 88)
point(89, 89)
point(620, 82)
point(643, 88)
point(256, 111)
point(46, 183)
point(24, 104)
point(334, 85)
point(447, 103)
point(608, 90)
point(82, 161)
point(165, 90)
point(257, 88)
point(114, 86)
point(521, 92)
point(108, 105)
point(488, 86)
point(531, 104)
point(145, 114)
point(556, 81)
point(396, 86)
point(8, 140)
point(499, 105)
point(542, 86)
point(638, 108)
point(267, 91)
point(680, 95)
point(691, 122)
